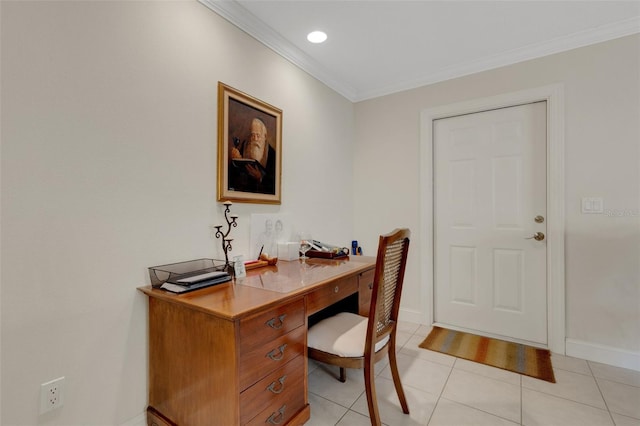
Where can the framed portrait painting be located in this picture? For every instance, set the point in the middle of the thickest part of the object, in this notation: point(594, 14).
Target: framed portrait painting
point(249, 148)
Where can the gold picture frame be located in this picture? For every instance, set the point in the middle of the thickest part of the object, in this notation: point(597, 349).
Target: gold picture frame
point(249, 148)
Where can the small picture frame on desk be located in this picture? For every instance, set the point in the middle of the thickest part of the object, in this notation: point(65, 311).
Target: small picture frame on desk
point(249, 148)
point(238, 267)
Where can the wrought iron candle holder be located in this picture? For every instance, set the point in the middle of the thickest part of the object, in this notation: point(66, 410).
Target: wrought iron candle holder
point(226, 242)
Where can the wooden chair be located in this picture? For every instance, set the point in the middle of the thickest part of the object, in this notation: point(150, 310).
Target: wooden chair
point(348, 340)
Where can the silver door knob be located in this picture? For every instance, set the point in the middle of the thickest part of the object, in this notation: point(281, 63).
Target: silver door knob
point(538, 236)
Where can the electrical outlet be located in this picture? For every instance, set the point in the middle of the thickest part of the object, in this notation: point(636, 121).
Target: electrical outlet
point(51, 395)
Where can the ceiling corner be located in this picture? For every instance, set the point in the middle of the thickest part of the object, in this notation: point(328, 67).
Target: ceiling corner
point(239, 16)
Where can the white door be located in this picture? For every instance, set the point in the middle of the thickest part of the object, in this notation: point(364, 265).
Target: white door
point(489, 201)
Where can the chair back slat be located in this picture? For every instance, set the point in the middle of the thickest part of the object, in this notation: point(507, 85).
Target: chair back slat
point(387, 283)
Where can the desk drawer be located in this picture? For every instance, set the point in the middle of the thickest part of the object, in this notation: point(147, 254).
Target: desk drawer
point(276, 388)
point(329, 295)
point(264, 359)
point(279, 412)
point(270, 325)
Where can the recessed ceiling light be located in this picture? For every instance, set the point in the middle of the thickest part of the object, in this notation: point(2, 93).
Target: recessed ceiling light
point(316, 36)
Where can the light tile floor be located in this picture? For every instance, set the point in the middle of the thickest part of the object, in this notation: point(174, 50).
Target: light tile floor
point(446, 391)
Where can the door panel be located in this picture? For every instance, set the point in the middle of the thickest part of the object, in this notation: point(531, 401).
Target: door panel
point(489, 185)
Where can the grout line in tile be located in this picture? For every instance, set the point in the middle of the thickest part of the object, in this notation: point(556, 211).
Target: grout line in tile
point(478, 409)
point(572, 371)
point(435, 407)
point(574, 401)
point(340, 419)
point(610, 379)
point(332, 401)
point(356, 400)
point(604, 400)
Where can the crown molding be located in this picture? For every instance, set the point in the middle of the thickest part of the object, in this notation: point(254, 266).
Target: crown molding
point(236, 14)
point(560, 44)
point(239, 16)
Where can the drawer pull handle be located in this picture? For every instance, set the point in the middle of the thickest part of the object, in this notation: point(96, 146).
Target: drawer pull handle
point(272, 386)
point(274, 353)
point(370, 286)
point(336, 289)
point(272, 322)
point(277, 417)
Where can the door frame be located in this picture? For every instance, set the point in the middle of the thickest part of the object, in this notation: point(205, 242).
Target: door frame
point(554, 96)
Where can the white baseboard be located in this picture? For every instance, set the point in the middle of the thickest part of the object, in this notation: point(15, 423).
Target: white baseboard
point(411, 315)
point(603, 354)
point(139, 420)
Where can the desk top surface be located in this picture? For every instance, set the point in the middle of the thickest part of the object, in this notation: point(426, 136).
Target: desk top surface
point(269, 285)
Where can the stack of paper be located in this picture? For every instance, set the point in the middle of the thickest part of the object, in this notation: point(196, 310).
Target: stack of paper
point(183, 283)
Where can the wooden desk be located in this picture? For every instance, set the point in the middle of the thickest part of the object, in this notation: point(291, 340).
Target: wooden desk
point(236, 353)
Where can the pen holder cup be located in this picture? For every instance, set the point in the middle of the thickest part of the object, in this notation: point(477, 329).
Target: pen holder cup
point(288, 251)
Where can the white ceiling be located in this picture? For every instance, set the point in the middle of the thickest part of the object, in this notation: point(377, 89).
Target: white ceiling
point(381, 47)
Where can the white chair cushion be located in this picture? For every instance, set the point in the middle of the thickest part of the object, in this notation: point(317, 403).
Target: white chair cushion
point(343, 334)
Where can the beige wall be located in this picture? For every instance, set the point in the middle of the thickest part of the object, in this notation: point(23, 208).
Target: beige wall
point(602, 152)
point(108, 166)
point(109, 136)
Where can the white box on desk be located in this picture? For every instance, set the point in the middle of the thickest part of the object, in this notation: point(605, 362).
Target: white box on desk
point(288, 251)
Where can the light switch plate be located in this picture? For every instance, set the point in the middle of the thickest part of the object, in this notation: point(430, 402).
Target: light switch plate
point(592, 205)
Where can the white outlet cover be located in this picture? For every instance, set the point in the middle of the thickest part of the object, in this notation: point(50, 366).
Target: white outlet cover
point(51, 395)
